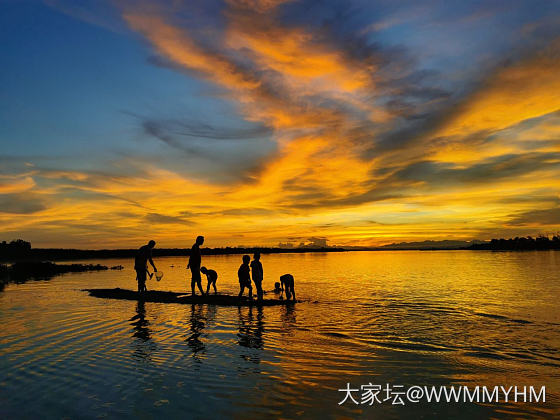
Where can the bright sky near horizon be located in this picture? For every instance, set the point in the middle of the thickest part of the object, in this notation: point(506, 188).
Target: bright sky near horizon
point(259, 122)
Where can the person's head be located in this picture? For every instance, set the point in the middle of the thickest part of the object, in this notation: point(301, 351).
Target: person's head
point(203, 270)
point(277, 285)
point(246, 259)
point(257, 256)
point(152, 243)
point(199, 240)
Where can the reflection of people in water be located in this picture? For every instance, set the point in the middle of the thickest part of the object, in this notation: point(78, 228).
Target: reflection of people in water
point(211, 276)
point(143, 344)
point(194, 264)
point(140, 322)
point(287, 284)
point(244, 275)
point(289, 320)
point(197, 325)
point(143, 256)
point(257, 274)
point(251, 332)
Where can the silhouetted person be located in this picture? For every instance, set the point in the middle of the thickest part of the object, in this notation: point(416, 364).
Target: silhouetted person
point(211, 276)
point(287, 283)
point(257, 274)
point(143, 255)
point(277, 287)
point(244, 275)
point(194, 265)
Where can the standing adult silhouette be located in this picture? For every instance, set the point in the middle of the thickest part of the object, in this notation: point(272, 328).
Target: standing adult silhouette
point(194, 264)
point(143, 255)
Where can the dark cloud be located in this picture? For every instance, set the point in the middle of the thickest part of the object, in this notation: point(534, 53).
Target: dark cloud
point(217, 154)
point(285, 245)
point(550, 217)
point(492, 169)
point(73, 192)
point(311, 201)
point(21, 203)
point(314, 242)
point(201, 130)
point(245, 212)
point(158, 218)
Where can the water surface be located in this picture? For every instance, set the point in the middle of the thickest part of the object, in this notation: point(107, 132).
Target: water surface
point(402, 317)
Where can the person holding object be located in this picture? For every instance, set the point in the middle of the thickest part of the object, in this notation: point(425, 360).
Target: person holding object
point(143, 256)
point(194, 264)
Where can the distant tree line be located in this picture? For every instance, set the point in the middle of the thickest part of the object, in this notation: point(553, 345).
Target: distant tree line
point(528, 243)
point(22, 271)
point(19, 250)
point(15, 249)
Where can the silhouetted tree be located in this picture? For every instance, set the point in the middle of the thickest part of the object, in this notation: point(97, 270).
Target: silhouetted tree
point(15, 249)
point(541, 242)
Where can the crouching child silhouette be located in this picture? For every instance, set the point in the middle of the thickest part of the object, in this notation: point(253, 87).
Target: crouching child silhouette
point(244, 275)
point(211, 276)
point(287, 284)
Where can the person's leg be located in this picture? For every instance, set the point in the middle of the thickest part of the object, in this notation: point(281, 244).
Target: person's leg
point(241, 289)
point(250, 290)
point(141, 277)
point(196, 279)
point(293, 292)
point(199, 282)
point(258, 285)
point(215, 290)
point(208, 287)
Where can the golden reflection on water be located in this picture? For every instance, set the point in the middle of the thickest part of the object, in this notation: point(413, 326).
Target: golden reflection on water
point(426, 318)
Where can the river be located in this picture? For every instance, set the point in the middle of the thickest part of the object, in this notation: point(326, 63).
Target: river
point(402, 318)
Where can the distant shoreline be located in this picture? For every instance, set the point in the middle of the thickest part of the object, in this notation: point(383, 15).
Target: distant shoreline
point(60, 254)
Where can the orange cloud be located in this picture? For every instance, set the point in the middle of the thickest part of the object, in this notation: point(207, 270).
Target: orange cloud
point(517, 92)
point(297, 57)
point(16, 184)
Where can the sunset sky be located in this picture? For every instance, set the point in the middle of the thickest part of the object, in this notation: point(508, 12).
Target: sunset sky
point(259, 122)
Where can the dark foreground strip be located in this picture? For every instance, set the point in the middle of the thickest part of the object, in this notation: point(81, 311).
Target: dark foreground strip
point(172, 297)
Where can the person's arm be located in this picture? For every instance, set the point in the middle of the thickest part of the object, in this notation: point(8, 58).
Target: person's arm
point(152, 261)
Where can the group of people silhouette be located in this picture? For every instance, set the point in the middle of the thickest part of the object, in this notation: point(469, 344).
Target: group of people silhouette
point(248, 269)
